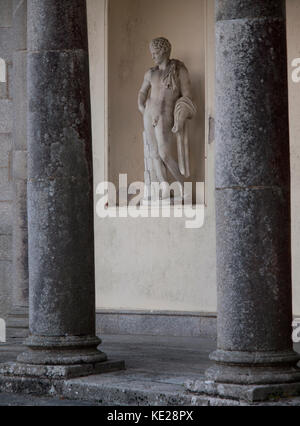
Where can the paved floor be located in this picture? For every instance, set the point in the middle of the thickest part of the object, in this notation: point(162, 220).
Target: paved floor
point(154, 366)
point(156, 370)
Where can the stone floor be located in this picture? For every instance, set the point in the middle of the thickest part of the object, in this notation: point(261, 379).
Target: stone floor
point(157, 368)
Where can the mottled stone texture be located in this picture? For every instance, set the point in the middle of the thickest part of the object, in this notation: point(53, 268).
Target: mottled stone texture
point(253, 196)
point(19, 164)
point(240, 9)
point(57, 25)
point(60, 187)
point(6, 194)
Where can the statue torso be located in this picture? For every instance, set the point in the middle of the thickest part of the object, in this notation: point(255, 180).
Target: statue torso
point(165, 89)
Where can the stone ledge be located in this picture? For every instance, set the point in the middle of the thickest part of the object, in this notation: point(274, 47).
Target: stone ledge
point(247, 393)
point(13, 370)
point(156, 323)
point(122, 392)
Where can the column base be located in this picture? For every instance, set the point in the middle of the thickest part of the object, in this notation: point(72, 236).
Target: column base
point(250, 376)
point(60, 358)
point(247, 393)
point(62, 351)
point(59, 372)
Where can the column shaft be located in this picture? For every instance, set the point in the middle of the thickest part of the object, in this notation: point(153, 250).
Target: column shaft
point(253, 196)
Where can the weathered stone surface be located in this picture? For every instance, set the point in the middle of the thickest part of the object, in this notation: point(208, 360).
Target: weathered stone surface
point(20, 24)
point(252, 148)
point(3, 90)
point(6, 192)
point(249, 394)
point(252, 204)
point(254, 269)
point(17, 324)
point(6, 13)
point(5, 247)
point(5, 218)
point(6, 121)
point(5, 282)
point(10, 80)
point(59, 114)
point(20, 264)
point(19, 164)
point(20, 100)
point(156, 371)
point(161, 323)
point(4, 175)
point(5, 185)
point(6, 43)
point(6, 46)
point(57, 25)
point(17, 400)
point(60, 372)
point(60, 189)
point(20, 204)
point(5, 148)
point(241, 9)
point(61, 257)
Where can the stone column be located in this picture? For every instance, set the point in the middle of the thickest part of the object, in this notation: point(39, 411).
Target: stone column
point(255, 357)
point(60, 194)
point(17, 324)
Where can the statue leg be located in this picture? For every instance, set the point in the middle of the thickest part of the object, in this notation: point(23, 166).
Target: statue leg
point(165, 139)
point(158, 172)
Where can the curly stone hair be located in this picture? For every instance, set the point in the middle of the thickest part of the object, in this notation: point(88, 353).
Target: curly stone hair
point(161, 43)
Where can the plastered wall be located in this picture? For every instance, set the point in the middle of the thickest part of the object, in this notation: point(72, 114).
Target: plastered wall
point(132, 24)
point(148, 264)
point(156, 264)
point(293, 19)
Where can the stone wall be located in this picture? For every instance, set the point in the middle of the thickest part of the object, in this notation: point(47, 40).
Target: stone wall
point(6, 48)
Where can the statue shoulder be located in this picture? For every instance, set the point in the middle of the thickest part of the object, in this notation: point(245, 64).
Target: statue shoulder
point(181, 67)
point(153, 69)
point(178, 64)
point(149, 73)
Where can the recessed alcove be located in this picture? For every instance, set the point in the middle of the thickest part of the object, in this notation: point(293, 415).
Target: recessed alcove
point(130, 270)
point(119, 63)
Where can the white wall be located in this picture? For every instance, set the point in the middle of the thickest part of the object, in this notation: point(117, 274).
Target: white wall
point(293, 19)
point(148, 263)
point(132, 24)
point(156, 263)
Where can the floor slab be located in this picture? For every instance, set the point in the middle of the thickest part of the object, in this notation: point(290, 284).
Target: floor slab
point(157, 368)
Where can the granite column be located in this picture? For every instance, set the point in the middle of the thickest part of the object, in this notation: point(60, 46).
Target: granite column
point(255, 357)
point(60, 191)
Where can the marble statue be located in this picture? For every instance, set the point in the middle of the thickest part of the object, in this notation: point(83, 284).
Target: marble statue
point(165, 101)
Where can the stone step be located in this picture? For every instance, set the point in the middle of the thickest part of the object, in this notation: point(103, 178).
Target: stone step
point(15, 322)
point(17, 325)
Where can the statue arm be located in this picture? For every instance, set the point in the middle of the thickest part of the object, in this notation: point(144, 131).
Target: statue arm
point(182, 110)
point(144, 91)
point(185, 82)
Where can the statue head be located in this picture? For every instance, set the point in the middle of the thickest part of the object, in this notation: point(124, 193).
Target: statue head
point(160, 49)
